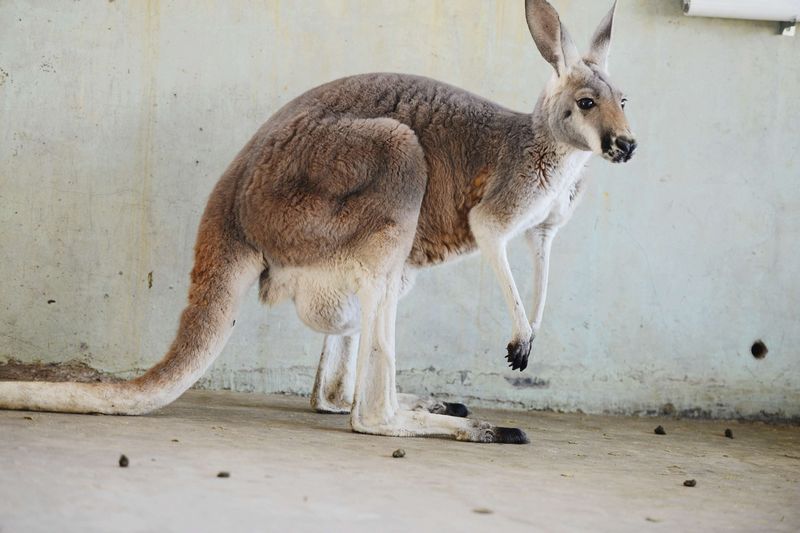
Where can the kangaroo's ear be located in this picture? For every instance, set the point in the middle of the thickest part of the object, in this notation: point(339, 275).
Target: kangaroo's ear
point(550, 36)
point(601, 41)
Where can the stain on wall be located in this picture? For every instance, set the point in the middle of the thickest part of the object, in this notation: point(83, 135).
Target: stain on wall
point(74, 370)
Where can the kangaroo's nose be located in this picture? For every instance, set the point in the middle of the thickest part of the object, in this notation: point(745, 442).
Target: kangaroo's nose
point(627, 145)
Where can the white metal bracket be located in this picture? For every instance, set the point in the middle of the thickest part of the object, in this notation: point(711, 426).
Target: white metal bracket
point(788, 28)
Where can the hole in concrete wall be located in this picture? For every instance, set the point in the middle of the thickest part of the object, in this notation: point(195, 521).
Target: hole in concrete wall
point(759, 349)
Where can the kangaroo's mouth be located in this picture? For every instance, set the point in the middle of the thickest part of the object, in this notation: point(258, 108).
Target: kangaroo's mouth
point(617, 156)
point(620, 151)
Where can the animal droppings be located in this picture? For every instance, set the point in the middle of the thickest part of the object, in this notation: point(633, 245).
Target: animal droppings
point(399, 452)
point(123, 461)
point(660, 430)
point(729, 433)
point(689, 483)
point(224, 474)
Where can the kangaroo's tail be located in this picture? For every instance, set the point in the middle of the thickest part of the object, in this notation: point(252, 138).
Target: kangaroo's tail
point(225, 267)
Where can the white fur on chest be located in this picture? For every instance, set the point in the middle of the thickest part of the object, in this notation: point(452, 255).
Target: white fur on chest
point(555, 205)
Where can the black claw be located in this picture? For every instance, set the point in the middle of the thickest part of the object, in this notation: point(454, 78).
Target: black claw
point(518, 353)
point(455, 409)
point(510, 436)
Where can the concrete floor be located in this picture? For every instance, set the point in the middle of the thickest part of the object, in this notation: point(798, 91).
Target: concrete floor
point(294, 470)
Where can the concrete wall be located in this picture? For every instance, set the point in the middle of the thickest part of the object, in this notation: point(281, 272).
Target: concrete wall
point(117, 117)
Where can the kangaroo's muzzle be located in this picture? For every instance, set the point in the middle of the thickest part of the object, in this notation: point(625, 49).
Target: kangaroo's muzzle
point(620, 150)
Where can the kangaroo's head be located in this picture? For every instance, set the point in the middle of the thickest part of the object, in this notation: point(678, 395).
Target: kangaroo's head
point(580, 104)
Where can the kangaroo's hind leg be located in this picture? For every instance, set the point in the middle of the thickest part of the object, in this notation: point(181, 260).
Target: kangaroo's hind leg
point(376, 409)
point(335, 382)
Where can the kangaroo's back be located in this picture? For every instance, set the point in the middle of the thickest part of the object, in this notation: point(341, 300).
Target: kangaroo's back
point(460, 134)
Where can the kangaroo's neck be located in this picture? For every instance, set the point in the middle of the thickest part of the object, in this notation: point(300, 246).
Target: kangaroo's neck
point(538, 154)
point(554, 159)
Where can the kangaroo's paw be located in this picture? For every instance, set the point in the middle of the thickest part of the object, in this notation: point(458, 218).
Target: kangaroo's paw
point(488, 433)
point(455, 409)
point(424, 424)
point(501, 435)
point(518, 352)
point(412, 402)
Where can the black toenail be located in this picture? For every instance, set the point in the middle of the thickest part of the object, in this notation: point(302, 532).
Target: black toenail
point(510, 436)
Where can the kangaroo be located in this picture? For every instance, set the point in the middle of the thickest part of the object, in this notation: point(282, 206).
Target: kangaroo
point(351, 188)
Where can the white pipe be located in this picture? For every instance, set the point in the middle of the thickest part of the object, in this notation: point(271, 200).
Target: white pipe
point(779, 10)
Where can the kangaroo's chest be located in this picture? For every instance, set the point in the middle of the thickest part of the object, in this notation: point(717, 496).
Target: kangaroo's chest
point(554, 203)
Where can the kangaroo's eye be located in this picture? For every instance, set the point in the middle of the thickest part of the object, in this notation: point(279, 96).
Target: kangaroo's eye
point(623, 102)
point(586, 103)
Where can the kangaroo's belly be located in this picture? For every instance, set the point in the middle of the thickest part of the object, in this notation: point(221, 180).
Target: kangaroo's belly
point(325, 297)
